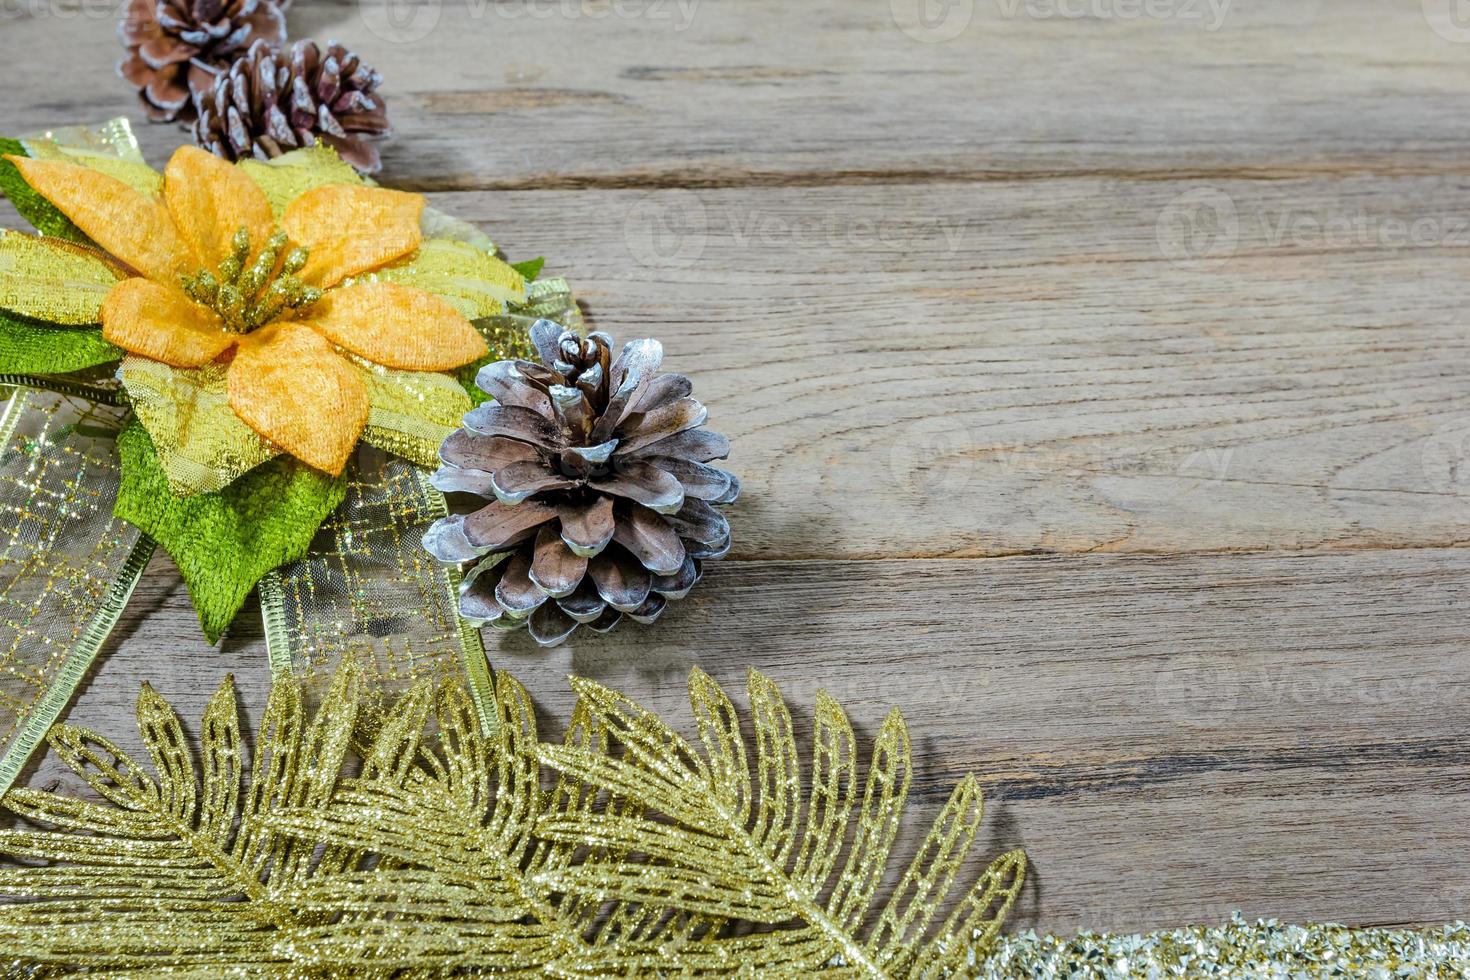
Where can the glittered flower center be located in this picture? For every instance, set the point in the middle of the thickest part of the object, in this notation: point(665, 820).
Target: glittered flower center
point(247, 294)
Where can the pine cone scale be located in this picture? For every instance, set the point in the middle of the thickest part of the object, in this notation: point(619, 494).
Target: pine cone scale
point(651, 540)
point(597, 509)
point(174, 46)
point(696, 445)
point(267, 103)
point(499, 525)
point(584, 604)
point(587, 528)
point(644, 483)
point(516, 422)
point(464, 451)
point(556, 568)
point(621, 581)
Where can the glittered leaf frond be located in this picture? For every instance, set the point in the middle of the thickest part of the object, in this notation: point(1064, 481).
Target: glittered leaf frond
point(732, 841)
point(619, 851)
point(175, 869)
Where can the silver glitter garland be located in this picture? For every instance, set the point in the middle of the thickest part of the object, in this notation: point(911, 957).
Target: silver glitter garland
point(1264, 949)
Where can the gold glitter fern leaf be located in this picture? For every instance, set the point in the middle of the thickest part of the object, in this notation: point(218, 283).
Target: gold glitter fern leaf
point(732, 840)
point(439, 848)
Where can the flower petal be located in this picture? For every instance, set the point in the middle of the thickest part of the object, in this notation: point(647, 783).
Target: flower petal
point(397, 327)
point(288, 384)
point(145, 318)
point(352, 229)
point(209, 201)
point(468, 278)
point(132, 226)
point(201, 443)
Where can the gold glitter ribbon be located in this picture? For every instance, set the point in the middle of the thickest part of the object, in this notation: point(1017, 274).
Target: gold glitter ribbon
point(60, 589)
point(368, 591)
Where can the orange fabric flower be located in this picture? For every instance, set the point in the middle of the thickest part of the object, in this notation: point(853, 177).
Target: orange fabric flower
point(288, 379)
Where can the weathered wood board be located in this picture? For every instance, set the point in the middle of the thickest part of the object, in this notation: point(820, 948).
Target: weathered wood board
point(1100, 385)
point(1171, 738)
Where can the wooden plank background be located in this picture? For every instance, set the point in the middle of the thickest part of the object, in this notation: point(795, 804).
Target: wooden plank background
point(1100, 385)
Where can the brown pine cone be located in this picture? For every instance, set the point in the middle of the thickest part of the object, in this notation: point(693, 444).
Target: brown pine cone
point(602, 499)
point(270, 102)
point(173, 44)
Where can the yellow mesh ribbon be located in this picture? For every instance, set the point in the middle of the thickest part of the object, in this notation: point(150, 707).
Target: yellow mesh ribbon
point(368, 590)
point(53, 280)
point(413, 412)
point(473, 281)
point(290, 175)
point(113, 138)
point(131, 171)
point(60, 555)
point(202, 445)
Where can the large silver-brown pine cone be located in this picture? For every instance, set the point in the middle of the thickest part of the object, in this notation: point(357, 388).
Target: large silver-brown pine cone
point(173, 44)
point(602, 503)
point(270, 102)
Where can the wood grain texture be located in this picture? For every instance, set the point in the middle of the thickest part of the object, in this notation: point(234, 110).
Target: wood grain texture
point(1174, 313)
point(978, 370)
point(1170, 738)
point(545, 93)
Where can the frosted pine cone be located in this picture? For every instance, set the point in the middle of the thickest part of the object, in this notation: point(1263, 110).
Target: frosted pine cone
point(173, 45)
point(270, 102)
point(602, 502)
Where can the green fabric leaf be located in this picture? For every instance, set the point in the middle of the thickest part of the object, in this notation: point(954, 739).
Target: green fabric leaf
point(32, 206)
point(223, 542)
point(531, 268)
point(31, 347)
